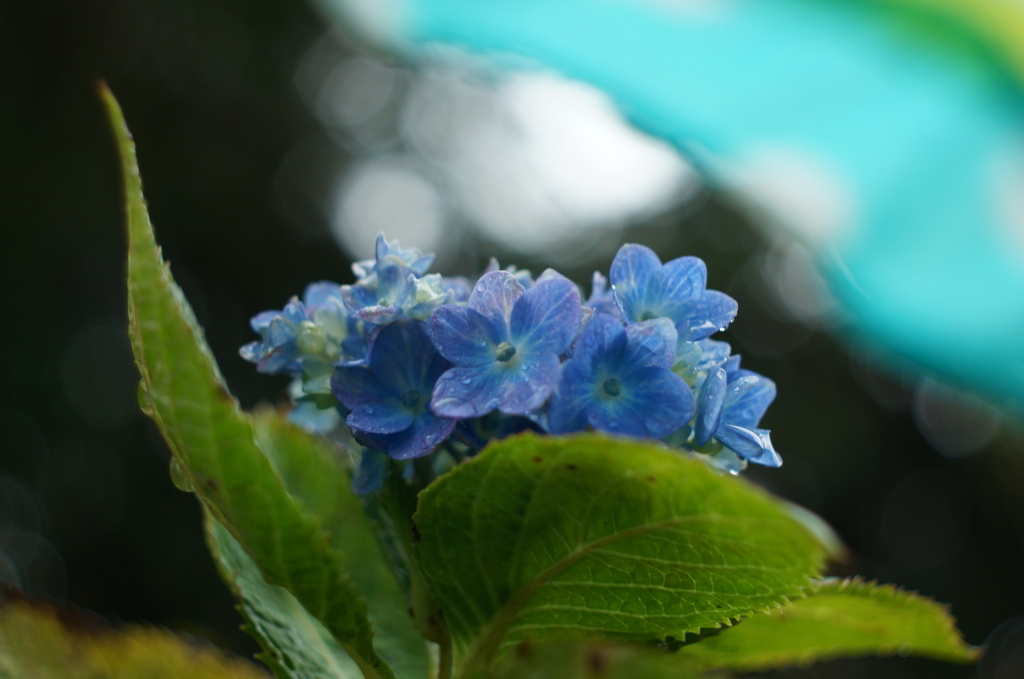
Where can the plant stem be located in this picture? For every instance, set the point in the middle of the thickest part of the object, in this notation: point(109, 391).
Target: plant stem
point(446, 661)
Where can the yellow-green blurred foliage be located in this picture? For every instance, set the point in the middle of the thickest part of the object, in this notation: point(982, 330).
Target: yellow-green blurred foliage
point(35, 644)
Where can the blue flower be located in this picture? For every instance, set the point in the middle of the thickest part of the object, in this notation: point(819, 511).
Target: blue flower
point(731, 404)
point(458, 289)
point(396, 285)
point(399, 294)
point(645, 288)
point(522, 275)
point(695, 359)
point(305, 336)
point(620, 380)
point(390, 255)
point(602, 299)
point(505, 344)
point(389, 396)
point(480, 431)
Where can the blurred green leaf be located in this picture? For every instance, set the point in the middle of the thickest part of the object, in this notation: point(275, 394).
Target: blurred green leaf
point(215, 444)
point(295, 645)
point(842, 618)
point(34, 644)
point(586, 660)
point(312, 472)
point(547, 537)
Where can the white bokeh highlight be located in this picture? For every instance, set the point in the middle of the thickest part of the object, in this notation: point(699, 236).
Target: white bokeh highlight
point(529, 161)
point(797, 189)
point(386, 195)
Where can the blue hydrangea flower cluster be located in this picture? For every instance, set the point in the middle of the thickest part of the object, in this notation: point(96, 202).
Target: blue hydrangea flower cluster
point(419, 364)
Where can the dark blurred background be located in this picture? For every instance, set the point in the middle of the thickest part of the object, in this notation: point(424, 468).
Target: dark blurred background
point(256, 186)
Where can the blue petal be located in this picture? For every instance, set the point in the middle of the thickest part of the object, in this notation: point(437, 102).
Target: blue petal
point(524, 276)
point(748, 398)
point(714, 311)
point(683, 278)
point(548, 274)
point(494, 296)
point(358, 296)
point(280, 331)
point(480, 431)
point(633, 266)
point(295, 311)
point(631, 272)
point(743, 441)
point(710, 404)
point(426, 433)
point(390, 282)
point(403, 357)
point(375, 406)
point(654, 403)
point(391, 254)
point(603, 343)
point(252, 352)
point(712, 354)
point(466, 392)
point(458, 288)
point(651, 343)
point(279, 359)
point(380, 418)
point(354, 346)
point(317, 294)
point(357, 386)
point(421, 265)
point(465, 336)
point(615, 416)
point(528, 388)
point(660, 397)
point(333, 318)
point(567, 412)
point(261, 321)
point(363, 269)
point(378, 315)
point(753, 444)
point(601, 298)
point(381, 247)
point(547, 317)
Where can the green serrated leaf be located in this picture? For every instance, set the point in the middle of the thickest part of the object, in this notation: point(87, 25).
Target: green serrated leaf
point(839, 618)
point(313, 473)
point(214, 441)
point(295, 645)
point(584, 535)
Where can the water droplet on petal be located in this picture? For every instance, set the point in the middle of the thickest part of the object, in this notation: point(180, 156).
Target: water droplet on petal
point(465, 380)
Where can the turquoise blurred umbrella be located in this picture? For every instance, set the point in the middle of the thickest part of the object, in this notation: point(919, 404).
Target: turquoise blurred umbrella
point(887, 135)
